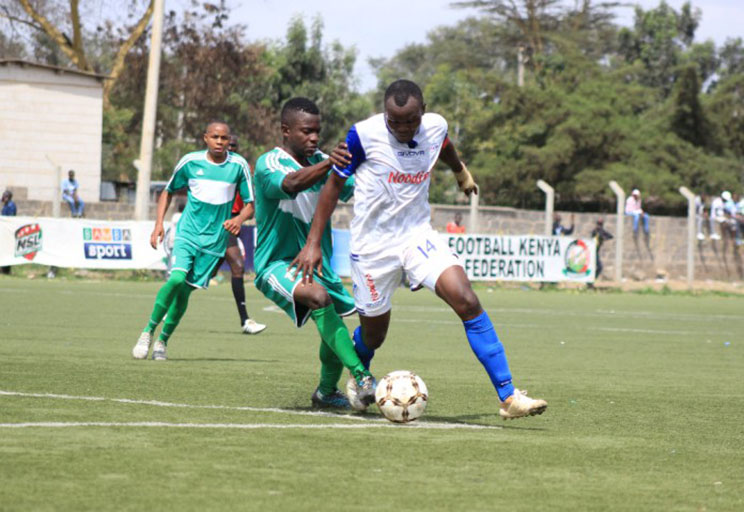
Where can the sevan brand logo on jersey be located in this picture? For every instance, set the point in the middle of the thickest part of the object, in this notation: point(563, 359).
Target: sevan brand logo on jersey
point(401, 177)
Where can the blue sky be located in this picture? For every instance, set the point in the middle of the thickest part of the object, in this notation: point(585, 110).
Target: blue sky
point(379, 28)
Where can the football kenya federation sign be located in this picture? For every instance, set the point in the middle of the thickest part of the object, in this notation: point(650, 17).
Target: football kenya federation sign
point(28, 241)
point(525, 258)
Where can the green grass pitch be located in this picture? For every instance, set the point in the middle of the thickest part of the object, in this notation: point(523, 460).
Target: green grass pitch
point(646, 394)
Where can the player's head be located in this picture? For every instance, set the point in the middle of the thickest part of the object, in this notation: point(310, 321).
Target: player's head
point(600, 222)
point(217, 137)
point(301, 127)
point(404, 107)
point(7, 196)
point(233, 144)
point(71, 174)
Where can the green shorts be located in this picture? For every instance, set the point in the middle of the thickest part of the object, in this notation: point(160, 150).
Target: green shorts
point(278, 285)
point(198, 265)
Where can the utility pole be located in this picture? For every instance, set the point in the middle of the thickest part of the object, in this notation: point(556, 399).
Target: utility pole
point(520, 66)
point(549, 202)
point(619, 235)
point(144, 163)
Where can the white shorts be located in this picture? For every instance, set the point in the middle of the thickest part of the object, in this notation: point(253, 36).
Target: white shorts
point(422, 258)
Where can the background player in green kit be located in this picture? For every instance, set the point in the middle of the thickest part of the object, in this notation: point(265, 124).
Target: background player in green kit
point(212, 178)
point(288, 181)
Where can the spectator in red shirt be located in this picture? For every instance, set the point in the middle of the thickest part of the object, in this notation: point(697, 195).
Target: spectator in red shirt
point(456, 226)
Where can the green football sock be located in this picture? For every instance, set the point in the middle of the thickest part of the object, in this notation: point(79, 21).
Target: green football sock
point(331, 369)
point(165, 298)
point(334, 333)
point(175, 312)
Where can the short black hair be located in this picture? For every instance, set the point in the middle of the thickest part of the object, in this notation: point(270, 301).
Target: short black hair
point(216, 121)
point(401, 90)
point(299, 104)
point(9, 193)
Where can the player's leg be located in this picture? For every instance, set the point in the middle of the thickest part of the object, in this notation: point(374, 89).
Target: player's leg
point(300, 302)
point(375, 280)
point(163, 300)
point(172, 319)
point(331, 327)
point(453, 286)
point(429, 262)
point(234, 258)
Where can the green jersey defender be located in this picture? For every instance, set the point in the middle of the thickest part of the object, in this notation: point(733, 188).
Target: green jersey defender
point(288, 180)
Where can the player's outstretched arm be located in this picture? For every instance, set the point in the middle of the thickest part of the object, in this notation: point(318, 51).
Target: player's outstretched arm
point(158, 233)
point(298, 181)
point(464, 179)
point(310, 258)
point(233, 224)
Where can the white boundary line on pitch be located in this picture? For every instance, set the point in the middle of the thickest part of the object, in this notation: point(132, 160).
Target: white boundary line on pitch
point(246, 426)
point(368, 422)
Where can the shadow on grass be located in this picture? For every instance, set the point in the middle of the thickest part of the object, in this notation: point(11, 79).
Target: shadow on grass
point(451, 420)
point(219, 359)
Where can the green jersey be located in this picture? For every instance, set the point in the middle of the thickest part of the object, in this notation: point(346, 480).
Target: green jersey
point(211, 195)
point(283, 220)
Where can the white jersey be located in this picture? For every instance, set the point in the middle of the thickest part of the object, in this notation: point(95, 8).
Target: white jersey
point(391, 192)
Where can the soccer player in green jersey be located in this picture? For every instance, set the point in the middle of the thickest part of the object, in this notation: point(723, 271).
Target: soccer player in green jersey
point(212, 178)
point(288, 181)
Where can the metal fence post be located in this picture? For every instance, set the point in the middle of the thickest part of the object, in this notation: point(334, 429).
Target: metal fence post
point(690, 196)
point(549, 202)
point(620, 195)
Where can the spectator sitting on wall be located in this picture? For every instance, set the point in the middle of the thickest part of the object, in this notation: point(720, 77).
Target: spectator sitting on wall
point(558, 229)
point(9, 207)
point(70, 194)
point(456, 226)
point(633, 209)
point(717, 215)
point(9, 210)
point(600, 235)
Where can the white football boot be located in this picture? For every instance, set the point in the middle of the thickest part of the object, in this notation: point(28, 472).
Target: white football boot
point(158, 351)
point(520, 405)
point(142, 347)
point(361, 393)
point(252, 327)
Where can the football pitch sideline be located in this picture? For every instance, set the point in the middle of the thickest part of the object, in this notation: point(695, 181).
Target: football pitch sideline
point(645, 394)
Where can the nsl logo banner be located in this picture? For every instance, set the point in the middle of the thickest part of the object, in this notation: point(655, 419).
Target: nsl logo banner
point(525, 258)
point(78, 243)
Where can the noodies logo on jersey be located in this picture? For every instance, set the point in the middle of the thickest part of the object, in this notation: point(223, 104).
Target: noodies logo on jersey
point(413, 179)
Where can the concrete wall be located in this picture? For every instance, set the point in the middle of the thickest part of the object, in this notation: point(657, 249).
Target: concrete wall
point(43, 113)
point(664, 257)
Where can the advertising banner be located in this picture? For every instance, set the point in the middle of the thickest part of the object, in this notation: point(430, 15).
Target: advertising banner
point(525, 258)
point(79, 243)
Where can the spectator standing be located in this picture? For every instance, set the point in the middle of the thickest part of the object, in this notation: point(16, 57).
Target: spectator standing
point(70, 194)
point(634, 209)
point(9, 207)
point(600, 235)
point(455, 227)
point(559, 229)
point(9, 210)
point(717, 215)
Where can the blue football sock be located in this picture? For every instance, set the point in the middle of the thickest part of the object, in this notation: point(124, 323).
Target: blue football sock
point(490, 352)
point(365, 353)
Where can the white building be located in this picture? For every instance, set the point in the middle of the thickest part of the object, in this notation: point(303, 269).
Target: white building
point(50, 118)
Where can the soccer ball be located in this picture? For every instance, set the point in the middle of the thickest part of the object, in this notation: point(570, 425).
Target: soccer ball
point(401, 396)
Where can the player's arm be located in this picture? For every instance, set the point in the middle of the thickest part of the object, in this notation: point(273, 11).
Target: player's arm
point(449, 156)
point(310, 258)
point(245, 190)
point(158, 233)
point(298, 181)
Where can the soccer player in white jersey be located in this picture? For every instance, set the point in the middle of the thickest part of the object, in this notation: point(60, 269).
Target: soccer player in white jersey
point(212, 177)
point(391, 156)
point(288, 181)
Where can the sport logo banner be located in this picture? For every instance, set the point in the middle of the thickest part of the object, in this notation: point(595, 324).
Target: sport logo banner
point(107, 243)
point(28, 241)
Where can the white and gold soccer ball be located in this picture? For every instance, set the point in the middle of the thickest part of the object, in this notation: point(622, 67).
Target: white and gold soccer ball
point(401, 396)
